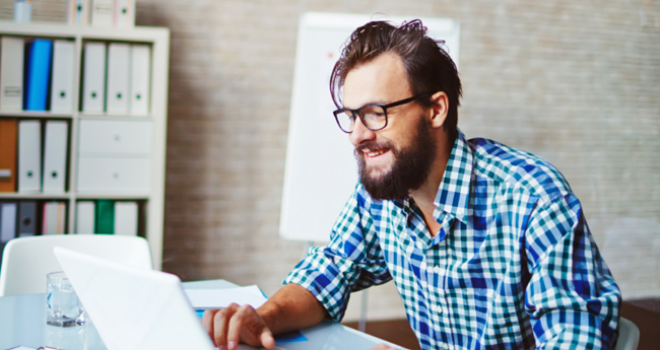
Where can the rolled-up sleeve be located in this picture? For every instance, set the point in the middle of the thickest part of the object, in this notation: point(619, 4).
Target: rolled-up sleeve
point(351, 261)
point(572, 299)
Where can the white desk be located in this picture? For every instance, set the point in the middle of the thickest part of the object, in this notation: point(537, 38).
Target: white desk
point(23, 322)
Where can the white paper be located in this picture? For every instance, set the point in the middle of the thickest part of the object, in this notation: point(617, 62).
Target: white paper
point(219, 298)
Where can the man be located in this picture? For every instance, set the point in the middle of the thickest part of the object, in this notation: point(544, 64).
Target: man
point(487, 245)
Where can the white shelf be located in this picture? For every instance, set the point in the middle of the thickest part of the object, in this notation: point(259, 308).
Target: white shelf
point(159, 40)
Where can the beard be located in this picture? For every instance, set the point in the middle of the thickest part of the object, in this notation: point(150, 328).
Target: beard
point(412, 165)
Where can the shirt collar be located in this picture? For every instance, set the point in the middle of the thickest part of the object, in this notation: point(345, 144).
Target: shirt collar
point(454, 191)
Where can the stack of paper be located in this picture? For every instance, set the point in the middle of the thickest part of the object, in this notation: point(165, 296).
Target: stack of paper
point(219, 298)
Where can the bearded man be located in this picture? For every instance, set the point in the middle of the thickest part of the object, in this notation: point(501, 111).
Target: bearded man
point(487, 245)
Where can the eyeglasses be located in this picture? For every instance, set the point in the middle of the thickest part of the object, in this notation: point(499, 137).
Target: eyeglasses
point(373, 116)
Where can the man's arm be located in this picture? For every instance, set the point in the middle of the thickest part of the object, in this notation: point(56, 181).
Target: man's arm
point(571, 298)
point(291, 308)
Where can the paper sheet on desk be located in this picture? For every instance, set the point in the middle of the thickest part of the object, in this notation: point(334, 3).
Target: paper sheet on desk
point(219, 298)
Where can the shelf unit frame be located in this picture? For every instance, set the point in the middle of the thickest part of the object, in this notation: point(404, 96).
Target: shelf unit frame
point(159, 40)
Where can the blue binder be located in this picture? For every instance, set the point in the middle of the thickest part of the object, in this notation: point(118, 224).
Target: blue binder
point(38, 74)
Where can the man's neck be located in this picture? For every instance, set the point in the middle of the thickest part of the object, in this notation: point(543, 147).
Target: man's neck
point(425, 195)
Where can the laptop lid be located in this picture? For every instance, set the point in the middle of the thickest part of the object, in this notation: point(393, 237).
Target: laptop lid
point(131, 308)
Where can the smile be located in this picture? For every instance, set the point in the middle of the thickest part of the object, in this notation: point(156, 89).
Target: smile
point(376, 153)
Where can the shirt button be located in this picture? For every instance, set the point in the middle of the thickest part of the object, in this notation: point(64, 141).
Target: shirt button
point(437, 269)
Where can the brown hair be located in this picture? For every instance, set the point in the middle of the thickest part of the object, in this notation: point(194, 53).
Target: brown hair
point(428, 66)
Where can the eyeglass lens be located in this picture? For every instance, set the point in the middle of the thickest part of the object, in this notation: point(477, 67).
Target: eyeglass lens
point(373, 117)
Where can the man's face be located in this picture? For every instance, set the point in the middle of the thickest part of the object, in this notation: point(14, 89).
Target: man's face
point(398, 158)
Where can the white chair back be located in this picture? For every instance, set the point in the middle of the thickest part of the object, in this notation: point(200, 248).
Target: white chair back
point(628, 335)
point(26, 261)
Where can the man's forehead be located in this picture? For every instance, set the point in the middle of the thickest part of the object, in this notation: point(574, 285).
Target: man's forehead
point(380, 80)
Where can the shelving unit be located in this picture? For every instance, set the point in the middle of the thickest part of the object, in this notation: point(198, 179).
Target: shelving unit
point(158, 39)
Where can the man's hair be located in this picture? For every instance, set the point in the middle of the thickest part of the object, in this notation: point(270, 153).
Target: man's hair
point(429, 68)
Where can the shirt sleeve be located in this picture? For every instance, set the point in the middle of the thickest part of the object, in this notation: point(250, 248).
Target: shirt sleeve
point(351, 261)
point(571, 298)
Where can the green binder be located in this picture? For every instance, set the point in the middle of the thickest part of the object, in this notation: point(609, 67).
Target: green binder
point(105, 217)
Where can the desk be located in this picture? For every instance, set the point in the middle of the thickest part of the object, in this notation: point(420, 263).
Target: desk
point(23, 322)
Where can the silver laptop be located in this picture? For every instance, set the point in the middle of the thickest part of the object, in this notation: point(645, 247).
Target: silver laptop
point(134, 309)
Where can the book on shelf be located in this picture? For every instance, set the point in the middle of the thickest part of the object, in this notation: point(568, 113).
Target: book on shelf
point(54, 218)
point(8, 144)
point(12, 57)
point(38, 73)
point(29, 156)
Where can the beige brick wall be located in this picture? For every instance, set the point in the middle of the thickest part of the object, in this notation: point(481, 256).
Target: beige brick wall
point(577, 82)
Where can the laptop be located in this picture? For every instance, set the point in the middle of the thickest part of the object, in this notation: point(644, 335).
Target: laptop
point(134, 309)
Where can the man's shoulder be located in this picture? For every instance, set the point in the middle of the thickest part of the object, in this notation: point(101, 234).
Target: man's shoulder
point(502, 165)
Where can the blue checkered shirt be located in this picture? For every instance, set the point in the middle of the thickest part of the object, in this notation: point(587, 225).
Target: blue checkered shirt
point(514, 265)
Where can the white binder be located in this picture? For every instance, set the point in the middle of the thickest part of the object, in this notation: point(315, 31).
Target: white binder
point(85, 217)
point(78, 12)
point(54, 216)
point(102, 13)
point(12, 51)
point(61, 96)
point(55, 156)
point(140, 79)
point(118, 69)
point(29, 156)
point(7, 221)
point(126, 218)
point(125, 13)
point(94, 78)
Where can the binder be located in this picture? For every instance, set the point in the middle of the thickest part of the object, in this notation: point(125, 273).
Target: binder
point(12, 56)
point(105, 217)
point(27, 219)
point(102, 13)
point(94, 78)
point(61, 95)
point(8, 145)
point(126, 218)
point(125, 13)
point(140, 80)
point(118, 69)
point(29, 156)
point(54, 217)
point(85, 217)
point(78, 12)
point(55, 156)
point(40, 54)
point(8, 215)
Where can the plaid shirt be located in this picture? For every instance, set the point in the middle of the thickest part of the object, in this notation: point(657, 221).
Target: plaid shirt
point(513, 266)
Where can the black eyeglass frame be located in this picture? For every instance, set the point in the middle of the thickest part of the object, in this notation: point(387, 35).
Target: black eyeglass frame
point(358, 111)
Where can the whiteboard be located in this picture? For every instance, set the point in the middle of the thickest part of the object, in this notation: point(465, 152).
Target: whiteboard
point(320, 172)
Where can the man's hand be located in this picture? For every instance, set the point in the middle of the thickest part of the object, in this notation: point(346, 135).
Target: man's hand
point(233, 324)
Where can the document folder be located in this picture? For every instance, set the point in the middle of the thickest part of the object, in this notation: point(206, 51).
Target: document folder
point(29, 156)
point(94, 78)
point(8, 215)
point(126, 218)
point(118, 70)
point(61, 96)
point(140, 79)
point(27, 219)
point(105, 217)
point(85, 217)
point(12, 54)
point(38, 74)
point(8, 145)
point(55, 148)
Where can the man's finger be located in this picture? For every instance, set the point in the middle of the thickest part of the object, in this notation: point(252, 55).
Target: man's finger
point(267, 340)
point(236, 325)
point(207, 322)
point(220, 324)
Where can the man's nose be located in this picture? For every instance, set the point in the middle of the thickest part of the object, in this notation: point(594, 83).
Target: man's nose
point(361, 133)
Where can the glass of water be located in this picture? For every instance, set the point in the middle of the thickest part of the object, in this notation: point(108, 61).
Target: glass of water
point(63, 307)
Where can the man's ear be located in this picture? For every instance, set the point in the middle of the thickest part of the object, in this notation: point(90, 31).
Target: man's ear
point(439, 109)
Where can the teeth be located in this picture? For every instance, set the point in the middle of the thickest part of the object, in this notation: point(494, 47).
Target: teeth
point(373, 154)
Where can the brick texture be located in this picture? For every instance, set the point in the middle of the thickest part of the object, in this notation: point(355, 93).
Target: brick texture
point(576, 82)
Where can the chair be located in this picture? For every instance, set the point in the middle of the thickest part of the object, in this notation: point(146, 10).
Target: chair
point(26, 261)
point(628, 335)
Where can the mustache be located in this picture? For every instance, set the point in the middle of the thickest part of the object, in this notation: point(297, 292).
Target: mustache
point(373, 146)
